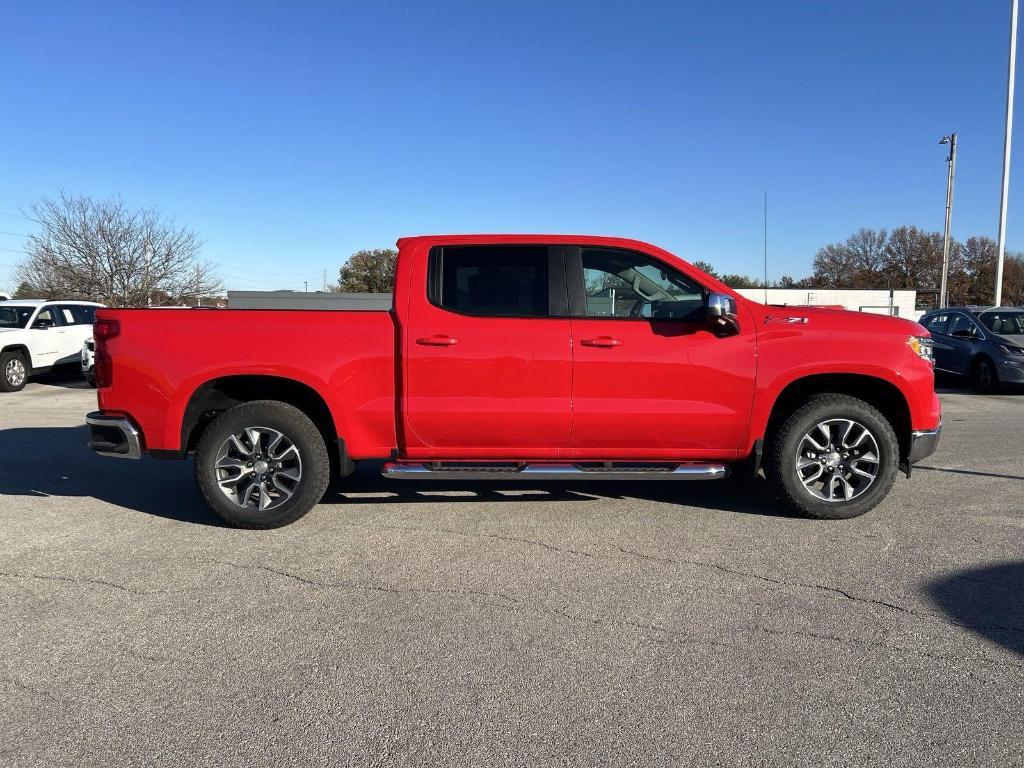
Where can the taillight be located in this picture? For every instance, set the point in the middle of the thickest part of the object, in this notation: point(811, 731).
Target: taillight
point(103, 330)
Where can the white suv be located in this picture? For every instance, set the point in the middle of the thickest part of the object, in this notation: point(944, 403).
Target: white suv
point(36, 335)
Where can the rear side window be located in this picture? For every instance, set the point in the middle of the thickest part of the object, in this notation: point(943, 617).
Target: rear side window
point(83, 315)
point(937, 323)
point(491, 280)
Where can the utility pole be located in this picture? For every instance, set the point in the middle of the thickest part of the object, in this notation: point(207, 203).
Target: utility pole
point(149, 263)
point(325, 281)
point(305, 284)
point(1007, 136)
point(766, 248)
point(199, 284)
point(951, 161)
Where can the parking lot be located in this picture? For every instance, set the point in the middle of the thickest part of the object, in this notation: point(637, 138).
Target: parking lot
point(627, 624)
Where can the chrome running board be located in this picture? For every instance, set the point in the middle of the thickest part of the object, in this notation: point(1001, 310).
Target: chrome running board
point(554, 471)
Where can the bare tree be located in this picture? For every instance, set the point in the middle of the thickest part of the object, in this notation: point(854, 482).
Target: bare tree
point(101, 250)
point(370, 271)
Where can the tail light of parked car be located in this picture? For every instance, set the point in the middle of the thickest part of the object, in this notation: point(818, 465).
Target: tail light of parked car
point(103, 330)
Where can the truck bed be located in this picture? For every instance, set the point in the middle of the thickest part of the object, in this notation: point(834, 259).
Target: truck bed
point(163, 356)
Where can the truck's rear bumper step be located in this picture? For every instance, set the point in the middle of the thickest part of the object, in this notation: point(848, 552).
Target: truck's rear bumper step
point(554, 471)
point(113, 436)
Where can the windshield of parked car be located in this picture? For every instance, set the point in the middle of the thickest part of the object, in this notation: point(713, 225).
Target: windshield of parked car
point(15, 317)
point(1004, 323)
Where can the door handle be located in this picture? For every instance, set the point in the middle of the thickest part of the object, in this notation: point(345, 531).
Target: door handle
point(602, 341)
point(437, 340)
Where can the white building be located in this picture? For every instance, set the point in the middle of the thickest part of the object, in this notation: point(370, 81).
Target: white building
point(881, 302)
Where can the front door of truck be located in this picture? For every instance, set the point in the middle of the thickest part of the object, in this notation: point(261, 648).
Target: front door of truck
point(651, 378)
point(487, 355)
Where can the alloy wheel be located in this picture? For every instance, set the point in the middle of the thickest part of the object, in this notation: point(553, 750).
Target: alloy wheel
point(837, 460)
point(258, 468)
point(14, 372)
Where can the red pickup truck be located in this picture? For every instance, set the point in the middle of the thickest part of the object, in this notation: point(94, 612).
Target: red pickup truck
point(521, 357)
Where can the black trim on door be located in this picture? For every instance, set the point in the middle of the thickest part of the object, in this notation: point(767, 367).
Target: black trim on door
point(574, 277)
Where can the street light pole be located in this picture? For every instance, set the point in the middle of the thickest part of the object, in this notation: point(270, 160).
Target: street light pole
point(1006, 152)
point(951, 160)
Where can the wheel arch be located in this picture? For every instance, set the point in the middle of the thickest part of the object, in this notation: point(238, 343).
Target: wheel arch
point(213, 397)
point(19, 348)
point(878, 392)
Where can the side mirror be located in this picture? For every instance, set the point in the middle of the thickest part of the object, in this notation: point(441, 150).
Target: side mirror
point(964, 333)
point(721, 312)
point(41, 325)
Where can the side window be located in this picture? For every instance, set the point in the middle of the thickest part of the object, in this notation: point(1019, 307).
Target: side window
point(66, 318)
point(960, 326)
point(46, 318)
point(490, 280)
point(81, 315)
point(625, 284)
point(937, 323)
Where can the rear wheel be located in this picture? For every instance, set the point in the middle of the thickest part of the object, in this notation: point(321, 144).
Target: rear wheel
point(984, 377)
point(262, 464)
point(834, 458)
point(13, 371)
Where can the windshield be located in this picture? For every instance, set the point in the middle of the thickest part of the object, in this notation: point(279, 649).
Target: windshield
point(1003, 323)
point(15, 317)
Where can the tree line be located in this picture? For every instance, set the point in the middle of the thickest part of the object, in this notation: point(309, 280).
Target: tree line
point(906, 257)
point(99, 249)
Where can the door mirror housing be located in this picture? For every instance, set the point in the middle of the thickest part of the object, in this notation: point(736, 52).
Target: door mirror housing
point(964, 333)
point(721, 312)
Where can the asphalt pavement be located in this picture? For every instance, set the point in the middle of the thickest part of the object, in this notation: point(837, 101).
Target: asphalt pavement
point(490, 625)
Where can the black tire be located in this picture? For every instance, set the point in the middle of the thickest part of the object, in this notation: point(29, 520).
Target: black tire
point(11, 363)
point(90, 377)
point(984, 376)
point(781, 457)
point(297, 428)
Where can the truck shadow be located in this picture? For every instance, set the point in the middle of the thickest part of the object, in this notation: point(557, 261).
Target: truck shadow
point(987, 601)
point(54, 461)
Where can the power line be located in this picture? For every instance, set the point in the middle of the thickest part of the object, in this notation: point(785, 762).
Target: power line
point(13, 250)
point(17, 216)
point(16, 234)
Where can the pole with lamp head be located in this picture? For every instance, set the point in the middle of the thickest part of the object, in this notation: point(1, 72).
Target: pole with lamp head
point(951, 161)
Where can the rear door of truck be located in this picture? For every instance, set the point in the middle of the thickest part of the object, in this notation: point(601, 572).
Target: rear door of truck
point(488, 361)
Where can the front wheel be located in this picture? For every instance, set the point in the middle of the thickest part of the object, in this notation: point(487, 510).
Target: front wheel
point(984, 376)
point(262, 464)
point(13, 371)
point(835, 457)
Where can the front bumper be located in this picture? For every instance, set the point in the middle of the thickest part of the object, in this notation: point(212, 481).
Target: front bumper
point(1011, 371)
point(923, 444)
point(114, 436)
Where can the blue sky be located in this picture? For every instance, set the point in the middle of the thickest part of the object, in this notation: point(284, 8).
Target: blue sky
point(289, 135)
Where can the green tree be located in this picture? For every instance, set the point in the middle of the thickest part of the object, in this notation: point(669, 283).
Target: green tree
point(369, 271)
point(704, 266)
point(25, 291)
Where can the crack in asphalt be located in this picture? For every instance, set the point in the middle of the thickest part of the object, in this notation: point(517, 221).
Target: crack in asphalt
point(72, 580)
point(516, 604)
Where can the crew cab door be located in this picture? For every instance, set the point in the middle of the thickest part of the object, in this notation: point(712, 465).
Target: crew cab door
point(487, 366)
point(652, 379)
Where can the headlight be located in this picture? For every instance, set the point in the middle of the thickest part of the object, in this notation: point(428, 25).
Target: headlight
point(1011, 350)
point(923, 347)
